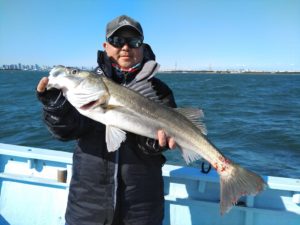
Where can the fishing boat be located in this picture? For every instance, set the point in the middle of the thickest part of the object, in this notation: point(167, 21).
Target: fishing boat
point(34, 185)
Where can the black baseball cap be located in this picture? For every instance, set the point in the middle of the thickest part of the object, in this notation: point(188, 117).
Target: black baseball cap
point(123, 21)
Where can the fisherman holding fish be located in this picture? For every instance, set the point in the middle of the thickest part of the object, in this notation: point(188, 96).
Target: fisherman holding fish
point(113, 187)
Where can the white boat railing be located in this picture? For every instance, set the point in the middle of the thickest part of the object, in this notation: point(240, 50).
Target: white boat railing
point(34, 186)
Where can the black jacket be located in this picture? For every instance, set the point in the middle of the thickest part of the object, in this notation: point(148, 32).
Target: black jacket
point(122, 187)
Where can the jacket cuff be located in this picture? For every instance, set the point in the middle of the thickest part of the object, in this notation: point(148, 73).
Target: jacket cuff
point(54, 102)
point(150, 146)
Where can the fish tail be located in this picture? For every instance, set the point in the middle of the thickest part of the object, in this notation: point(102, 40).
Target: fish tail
point(237, 182)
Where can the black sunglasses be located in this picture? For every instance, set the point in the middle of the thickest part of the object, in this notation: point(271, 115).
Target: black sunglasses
point(119, 42)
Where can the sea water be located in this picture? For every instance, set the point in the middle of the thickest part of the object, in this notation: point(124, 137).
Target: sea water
point(252, 119)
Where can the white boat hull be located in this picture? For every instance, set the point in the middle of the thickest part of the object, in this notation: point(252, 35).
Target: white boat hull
point(34, 187)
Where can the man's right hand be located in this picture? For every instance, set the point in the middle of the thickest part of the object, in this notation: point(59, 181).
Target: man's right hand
point(41, 87)
point(48, 97)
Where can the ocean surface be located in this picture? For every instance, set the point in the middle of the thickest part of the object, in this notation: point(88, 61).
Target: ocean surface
point(252, 119)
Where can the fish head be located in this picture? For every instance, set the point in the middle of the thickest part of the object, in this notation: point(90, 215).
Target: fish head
point(62, 77)
point(83, 89)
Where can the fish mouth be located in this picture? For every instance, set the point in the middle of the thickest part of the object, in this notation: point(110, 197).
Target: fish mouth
point(57, 70)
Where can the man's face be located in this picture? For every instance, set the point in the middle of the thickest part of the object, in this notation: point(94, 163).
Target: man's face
point(124, 56)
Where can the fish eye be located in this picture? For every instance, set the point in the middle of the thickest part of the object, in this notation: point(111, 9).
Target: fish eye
point(74, 71)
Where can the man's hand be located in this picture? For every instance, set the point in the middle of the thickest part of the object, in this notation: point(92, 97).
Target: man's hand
point(41, 87)
point(48, 97)
point(163, 140)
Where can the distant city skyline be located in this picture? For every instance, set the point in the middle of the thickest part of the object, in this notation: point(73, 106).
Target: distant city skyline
point(20, 66)
point(37, 67)
point(184, 34)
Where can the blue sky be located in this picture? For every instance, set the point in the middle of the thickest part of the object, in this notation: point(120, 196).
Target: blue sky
point(184, 34)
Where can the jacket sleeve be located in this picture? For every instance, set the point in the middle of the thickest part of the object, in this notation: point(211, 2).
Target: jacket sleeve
point(148, 145)
point(63, 121)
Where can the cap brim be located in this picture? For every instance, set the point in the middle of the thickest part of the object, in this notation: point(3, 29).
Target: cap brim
point(126, 25)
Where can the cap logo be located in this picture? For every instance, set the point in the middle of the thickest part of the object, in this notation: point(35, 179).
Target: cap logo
point(124, 22)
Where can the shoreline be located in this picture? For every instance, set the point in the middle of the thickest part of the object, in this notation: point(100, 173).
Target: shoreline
point(232, 72)
point(199, 72)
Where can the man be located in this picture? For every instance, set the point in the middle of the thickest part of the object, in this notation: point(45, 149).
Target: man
point(122, 187)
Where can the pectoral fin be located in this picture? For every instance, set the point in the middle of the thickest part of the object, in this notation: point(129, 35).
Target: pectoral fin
point(114, 137)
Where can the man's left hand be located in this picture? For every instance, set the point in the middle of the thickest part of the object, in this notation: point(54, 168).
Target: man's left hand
point(165, 141)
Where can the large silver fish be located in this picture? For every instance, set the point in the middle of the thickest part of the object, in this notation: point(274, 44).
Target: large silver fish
point(136, 109)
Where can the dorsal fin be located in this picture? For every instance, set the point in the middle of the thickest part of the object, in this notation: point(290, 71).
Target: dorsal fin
point(144, 88)
point(141, 83)
point(195, 116)
point(149, 70)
